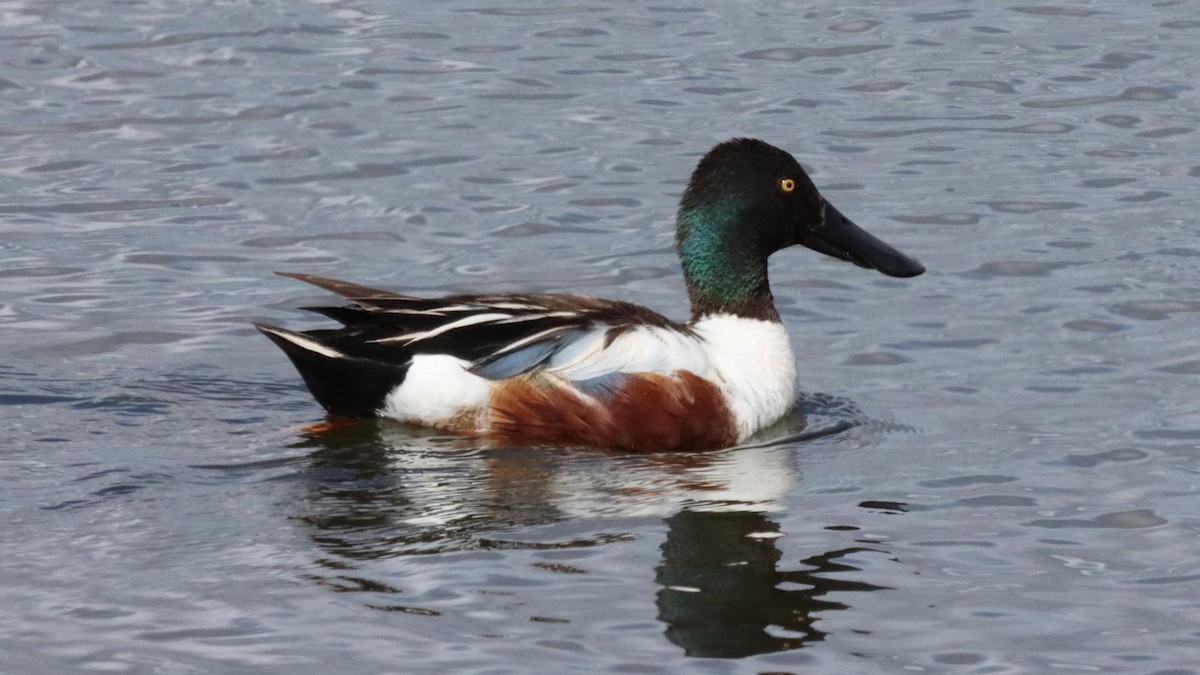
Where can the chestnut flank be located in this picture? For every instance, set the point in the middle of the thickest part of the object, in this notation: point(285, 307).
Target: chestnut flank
point(649, 412)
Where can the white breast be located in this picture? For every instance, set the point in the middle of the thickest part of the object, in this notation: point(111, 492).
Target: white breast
point(753, 363)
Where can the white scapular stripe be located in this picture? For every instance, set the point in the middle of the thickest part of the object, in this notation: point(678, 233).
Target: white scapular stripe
point(472, 320)
point(526, 341)
point(539, 317)
point(305, 342)
point(515, 306)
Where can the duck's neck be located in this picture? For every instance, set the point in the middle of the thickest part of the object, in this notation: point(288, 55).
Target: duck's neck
point(724, 273)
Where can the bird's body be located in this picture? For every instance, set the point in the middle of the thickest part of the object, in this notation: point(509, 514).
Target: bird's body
point(523, 369)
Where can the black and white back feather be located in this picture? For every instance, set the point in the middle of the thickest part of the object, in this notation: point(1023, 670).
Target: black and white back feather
point(498, 335)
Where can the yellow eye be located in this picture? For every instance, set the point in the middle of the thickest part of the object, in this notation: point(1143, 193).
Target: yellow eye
point(787, 185)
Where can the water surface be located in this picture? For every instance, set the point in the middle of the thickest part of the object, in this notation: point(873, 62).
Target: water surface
point(1011, 481)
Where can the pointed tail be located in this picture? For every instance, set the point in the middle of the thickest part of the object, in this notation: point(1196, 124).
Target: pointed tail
point(344, 384)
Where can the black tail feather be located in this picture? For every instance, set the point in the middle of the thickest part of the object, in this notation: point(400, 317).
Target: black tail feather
point(342, 384)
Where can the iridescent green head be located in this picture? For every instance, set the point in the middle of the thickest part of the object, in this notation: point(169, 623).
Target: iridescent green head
point(747, 199)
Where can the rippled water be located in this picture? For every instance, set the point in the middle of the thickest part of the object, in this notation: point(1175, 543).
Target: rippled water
point(1004, 462)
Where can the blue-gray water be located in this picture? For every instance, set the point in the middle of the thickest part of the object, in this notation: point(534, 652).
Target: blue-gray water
point(1018, 489)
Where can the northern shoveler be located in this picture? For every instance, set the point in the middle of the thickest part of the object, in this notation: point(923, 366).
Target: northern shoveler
point(558, 370)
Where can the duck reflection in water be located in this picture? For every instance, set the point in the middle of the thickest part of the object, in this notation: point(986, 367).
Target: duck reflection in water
point(379, 492)
point(723, 595)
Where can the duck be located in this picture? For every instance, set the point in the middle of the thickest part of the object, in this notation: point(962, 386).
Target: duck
point(560, 370)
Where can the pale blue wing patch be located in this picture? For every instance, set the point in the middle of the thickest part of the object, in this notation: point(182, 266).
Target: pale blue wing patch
point(603, 386)
point(524, 355)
